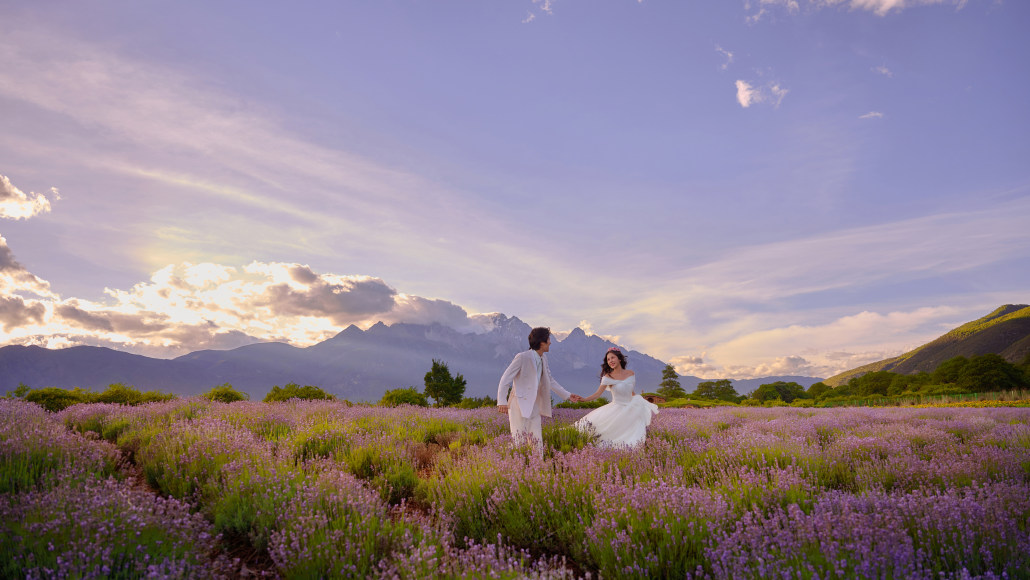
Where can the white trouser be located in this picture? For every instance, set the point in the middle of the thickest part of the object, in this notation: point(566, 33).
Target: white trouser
point(521, 427)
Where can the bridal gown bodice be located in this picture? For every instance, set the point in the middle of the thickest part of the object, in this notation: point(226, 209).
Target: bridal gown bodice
point(624, 421)
point(622, 391)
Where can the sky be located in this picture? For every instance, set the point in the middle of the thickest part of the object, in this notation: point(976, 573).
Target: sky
point(741, 188)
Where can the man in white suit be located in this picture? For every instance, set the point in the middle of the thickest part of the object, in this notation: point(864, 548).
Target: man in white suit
point(532, 384)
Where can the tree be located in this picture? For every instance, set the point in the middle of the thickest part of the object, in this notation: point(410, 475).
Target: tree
point(990, 372)
point(949, 370)
point(784, 391)
point(721, 390)
point(874, 383)
point(815, 390)
point(224, 393)
point(54, 399)
point(765, 393)
point(18, 393)
point(295, 391)
point(670, 386)
point(442, 387)
point(408, 396)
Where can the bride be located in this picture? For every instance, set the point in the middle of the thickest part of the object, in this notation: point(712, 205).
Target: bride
point(624, 421)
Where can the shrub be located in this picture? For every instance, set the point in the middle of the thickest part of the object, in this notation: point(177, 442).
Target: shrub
point(477, 402)
point(295, 391)
point(408, 396)
point(55, 399)
point(225, 394)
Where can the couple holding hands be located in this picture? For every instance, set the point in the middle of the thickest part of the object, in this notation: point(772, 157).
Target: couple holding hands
point(623, 422)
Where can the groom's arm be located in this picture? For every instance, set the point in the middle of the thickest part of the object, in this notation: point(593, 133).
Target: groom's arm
point(506, 379)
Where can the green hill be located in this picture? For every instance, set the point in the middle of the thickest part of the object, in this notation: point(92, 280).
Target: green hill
point(1006, 331)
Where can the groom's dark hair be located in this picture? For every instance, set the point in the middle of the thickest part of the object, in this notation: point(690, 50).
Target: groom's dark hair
point(537, 336)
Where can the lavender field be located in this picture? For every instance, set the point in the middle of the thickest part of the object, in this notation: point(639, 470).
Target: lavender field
point(192, 488)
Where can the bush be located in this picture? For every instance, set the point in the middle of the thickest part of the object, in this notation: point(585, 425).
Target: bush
point(54, 399)
point(477, 402)
point(408, 396)
point(295, 391)
point(600, 402)
point(225, 394)
point(128, 395)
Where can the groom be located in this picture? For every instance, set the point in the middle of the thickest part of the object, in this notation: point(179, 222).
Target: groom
point(532, 384)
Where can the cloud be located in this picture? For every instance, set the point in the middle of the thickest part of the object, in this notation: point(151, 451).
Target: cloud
point(780, 366)
point(762, 8)
point(827, 349)
point(883, 70)
point(748, 94)
point(15, 278)
point(186, 307)
point(728, 56)
point(872, 115)
point(694, 366)
point(16, 311)
point(15, 204)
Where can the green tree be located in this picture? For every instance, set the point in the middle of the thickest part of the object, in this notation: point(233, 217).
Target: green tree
point(949, 370)
point(295, 391)
point(765, 393)
point(18, 393)
point(816, 390)
point(874, 383)
point(781, 390)
point(989, 372)
point(442, 387)
point(721, 390)
point(670, 387)
point(224, 393)
point(408, 396)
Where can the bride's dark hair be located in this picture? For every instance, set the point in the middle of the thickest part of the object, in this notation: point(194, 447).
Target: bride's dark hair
point(607, 370)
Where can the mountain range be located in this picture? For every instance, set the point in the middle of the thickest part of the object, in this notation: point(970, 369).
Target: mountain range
point(356, 364)
point(1006, 332)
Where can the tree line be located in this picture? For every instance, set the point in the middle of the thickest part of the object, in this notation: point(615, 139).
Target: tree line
point(983, 373)
point(445, 389)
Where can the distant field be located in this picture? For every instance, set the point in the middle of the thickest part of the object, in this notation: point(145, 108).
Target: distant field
point(191, 488)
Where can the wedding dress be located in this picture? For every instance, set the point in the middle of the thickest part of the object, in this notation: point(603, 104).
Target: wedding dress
point(624, 420)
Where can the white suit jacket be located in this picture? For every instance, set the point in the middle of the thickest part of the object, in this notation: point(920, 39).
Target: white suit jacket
point(521, 374)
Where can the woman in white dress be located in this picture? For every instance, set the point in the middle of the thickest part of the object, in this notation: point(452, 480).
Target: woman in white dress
point(623, 421)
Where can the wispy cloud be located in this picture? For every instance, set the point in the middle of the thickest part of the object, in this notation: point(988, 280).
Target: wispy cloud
point(251, 173)
point(748, 94)
point(872, 115)
point(883, 70)
point(727, 56)
point(759, 9)
point(16, 204)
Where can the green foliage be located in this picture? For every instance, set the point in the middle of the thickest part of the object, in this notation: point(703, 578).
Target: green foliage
point(54, 399)
point(721, 390)
point(477, 402)
point(875, 383)
point(18, 393)
point(816, 390)
point(295, 391)
point(988, 373)
point(224, 393)
point(442, 387)
point(408, 396)
point(670, 387)
point(128, 395)
point(779, 390)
